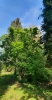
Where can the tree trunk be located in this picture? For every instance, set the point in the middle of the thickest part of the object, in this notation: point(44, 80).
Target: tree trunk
point(15, 70)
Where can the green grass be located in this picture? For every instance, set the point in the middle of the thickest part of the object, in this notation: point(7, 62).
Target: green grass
point(12, 89)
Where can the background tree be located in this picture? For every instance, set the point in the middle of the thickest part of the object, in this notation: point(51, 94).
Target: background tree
point(16, 23)
point(6, 41)
point(23, 53)
point(47, 27)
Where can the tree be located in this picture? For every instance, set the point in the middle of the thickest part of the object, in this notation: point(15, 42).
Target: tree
point(3, 37)
point(16, 23)
point(0, 65)
point(23, 52)
point(6, 45)
point(1, 62)
point(47, 27)
point(12, 46)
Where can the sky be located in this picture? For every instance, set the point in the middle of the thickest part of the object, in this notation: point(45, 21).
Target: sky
point(27, 10)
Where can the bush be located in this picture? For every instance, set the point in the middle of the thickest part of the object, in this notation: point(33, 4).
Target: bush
point(43, 75)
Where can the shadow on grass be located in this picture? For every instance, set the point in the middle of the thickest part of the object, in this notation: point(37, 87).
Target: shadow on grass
point(5, 81)
point(36, 91)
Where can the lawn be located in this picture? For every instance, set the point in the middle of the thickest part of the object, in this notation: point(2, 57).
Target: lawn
point(12, 89)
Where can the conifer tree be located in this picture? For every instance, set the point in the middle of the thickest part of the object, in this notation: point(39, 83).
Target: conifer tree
point(47, 27)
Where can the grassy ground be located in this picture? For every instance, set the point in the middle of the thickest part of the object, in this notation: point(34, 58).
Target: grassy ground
point(12, 89)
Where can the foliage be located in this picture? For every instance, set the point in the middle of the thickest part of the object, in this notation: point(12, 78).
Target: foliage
point(3, 37)
point(23, 52)
point(47, 27)
point(16, 23)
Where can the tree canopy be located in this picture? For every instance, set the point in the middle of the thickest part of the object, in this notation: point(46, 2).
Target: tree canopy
point(47, 27)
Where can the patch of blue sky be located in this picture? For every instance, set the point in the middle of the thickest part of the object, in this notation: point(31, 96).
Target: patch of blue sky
point(27, 10)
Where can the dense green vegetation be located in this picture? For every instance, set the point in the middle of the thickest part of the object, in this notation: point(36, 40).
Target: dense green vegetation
point(22, 51)
point(47, 27)
point(2, 37)
point(28, 71)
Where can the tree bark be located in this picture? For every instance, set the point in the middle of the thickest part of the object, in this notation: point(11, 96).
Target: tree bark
point(15, 70)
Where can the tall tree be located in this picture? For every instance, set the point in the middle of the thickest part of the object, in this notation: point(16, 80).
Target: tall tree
point(16, 23)
point(47, 27)
point(23, 53)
